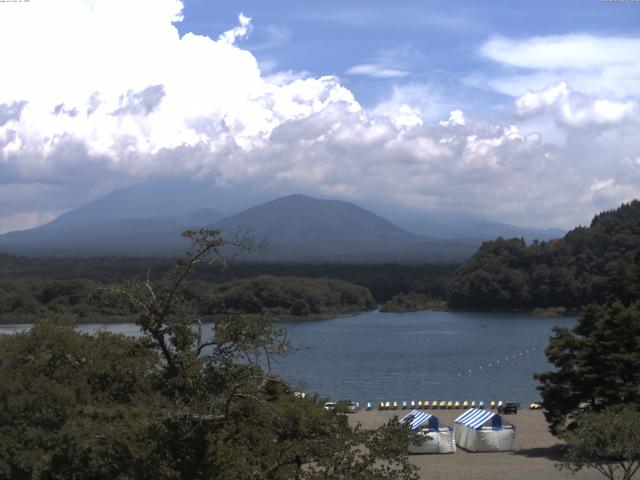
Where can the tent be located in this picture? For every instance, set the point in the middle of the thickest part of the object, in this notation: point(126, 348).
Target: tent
point(484, 431)
point(435, 438)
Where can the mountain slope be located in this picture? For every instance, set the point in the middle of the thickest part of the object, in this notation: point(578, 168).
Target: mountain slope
point(300, 225)
point(160, 199)
point(569, 272)
point(129, 236)
point(296, 227)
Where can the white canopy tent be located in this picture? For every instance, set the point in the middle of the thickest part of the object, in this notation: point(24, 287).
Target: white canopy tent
point(435, 438)
point(479, 430)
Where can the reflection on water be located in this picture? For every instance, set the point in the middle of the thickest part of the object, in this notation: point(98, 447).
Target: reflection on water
point(410, 356)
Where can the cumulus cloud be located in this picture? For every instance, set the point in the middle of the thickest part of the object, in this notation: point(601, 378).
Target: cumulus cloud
point(575, 109)
point(91, 110)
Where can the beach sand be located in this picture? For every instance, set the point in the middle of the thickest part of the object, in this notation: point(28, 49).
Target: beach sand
point(535, 457)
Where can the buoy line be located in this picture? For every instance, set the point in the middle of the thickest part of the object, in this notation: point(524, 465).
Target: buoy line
point(499, 362)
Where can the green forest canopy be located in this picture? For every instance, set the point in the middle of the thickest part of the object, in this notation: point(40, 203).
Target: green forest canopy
point(569, 272)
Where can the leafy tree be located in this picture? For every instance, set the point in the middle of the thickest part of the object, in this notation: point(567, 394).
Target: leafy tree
point(185, 401)
point(76, 406)
point(598, 361)
point(607, 441)
point(231, 418)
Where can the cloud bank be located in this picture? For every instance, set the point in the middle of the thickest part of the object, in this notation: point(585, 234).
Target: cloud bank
point(113, 94)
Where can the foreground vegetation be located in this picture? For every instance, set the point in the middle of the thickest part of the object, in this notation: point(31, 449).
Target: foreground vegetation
point(592, 398)
point(185, 401)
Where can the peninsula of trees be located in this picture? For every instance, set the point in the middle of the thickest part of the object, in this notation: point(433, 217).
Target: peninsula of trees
point(569, 272)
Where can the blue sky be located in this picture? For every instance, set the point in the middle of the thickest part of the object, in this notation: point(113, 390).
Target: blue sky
point(434, 43)
point(523, 112)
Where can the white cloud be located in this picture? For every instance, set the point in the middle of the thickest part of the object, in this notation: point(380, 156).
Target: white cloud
point(575, 109)
point(90, 110)
point(24, 220)
point(589, 63)
point(583, 52)
point(241, 31)
point(389, 63)
point(376, 70)
point(456, 117)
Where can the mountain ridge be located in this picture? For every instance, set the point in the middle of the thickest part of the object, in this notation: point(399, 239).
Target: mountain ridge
point(149, 218)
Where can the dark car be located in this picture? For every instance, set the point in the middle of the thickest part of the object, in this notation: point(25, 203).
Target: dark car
point(508, 407)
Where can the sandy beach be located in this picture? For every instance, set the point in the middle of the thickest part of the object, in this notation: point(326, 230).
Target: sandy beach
point(535, 457)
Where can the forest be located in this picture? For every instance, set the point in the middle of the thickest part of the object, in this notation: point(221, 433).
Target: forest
point(281, 298)
point(568, 272)
point(32, 288)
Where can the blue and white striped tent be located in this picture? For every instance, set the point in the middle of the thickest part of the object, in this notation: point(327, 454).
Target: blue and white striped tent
point(434, 438)
point(484, 431)
point(476, 418)
point(418, 420)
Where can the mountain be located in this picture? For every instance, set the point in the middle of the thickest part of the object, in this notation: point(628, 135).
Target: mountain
point(458, 225)
point(163, 199)
point(148, 218)
point(296, 227)
point(302, 227)
point(130, 236)
point(298, 224)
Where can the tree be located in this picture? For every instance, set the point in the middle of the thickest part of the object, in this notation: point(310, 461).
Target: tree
point(598, 361)
point(76, 406)
point(607, 441)
point(185, 401)
point(231, 416)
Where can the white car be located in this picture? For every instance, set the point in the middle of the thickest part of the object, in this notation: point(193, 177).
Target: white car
point(330, 406)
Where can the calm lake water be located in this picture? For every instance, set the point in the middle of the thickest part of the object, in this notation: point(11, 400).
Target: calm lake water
point(412, 356)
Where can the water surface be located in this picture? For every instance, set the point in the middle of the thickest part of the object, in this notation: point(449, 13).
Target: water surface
point(378, 356)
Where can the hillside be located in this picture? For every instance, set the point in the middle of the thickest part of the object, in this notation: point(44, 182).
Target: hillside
point(569, 272)
point(298, 225)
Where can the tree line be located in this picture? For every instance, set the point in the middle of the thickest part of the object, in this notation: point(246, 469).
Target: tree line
point(384, 280)
point(84, 301)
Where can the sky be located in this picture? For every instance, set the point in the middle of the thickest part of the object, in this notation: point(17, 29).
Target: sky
point(523, 112)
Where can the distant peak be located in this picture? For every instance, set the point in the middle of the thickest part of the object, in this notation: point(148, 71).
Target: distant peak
point(297, 196)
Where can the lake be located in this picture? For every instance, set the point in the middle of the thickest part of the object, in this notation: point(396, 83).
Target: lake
point(425, 355)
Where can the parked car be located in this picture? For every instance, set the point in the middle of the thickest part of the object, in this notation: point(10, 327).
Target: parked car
point(345, 406)
point(330, 406)
point(535, 406)
point(507, 408)
point(352, 407)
